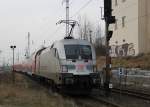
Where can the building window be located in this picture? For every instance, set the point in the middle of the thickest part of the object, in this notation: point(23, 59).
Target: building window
point(123, 21)
point(116, 42)
point(124, 40)
point(123, 0)
point(116, 2)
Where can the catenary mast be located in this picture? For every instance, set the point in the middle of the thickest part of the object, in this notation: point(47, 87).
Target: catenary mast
point(67, 17)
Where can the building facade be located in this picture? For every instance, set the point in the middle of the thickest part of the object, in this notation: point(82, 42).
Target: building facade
point(132, 28)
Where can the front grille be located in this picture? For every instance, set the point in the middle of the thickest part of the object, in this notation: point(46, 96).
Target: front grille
point(82, 81)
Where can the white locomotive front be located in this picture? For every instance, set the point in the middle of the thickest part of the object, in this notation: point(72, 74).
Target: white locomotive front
point(69, 64)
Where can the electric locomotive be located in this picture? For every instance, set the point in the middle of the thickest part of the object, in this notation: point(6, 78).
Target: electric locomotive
point(68, 64)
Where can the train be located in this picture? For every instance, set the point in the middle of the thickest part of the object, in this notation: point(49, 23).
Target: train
point(68, 65)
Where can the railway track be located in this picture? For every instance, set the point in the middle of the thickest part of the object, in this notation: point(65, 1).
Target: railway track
point(105, 101)
point(83, 100)
point(92, 101)
point(141, 95)
point(96, 98)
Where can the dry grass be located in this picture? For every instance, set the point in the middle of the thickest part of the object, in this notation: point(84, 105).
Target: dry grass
point(141, 61)
point(101, 60)
point(26, 93)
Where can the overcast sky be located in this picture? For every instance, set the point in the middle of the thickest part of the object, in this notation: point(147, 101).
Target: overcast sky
point(39, 17)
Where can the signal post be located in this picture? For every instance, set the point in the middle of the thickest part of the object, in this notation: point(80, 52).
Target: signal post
point(13, 75)
point(109, 19)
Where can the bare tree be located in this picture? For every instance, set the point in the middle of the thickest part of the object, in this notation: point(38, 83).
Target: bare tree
point(80, 28)
point(84, 28)
point(98, 41)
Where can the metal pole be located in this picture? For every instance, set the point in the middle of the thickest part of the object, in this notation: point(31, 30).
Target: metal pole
point(90, 36)
point(13, 75)
point(13, 69)
point(67, 17)
point(109, 19)
point(126, 78)
point(108, 61)
point(13, 59)
point(28, 45)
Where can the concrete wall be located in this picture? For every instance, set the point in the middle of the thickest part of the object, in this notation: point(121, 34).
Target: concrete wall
point(148, 25)
point(129, 33)
point(142, 30)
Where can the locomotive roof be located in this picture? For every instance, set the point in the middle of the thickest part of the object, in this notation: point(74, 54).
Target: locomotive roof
point(73, 41)
point(59, 45)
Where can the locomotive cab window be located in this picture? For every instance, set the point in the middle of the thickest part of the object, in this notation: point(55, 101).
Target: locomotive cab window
point(78, 51)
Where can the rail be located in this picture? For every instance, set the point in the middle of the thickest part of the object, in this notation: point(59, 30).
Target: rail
point(105, 101)
point(145, 96)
